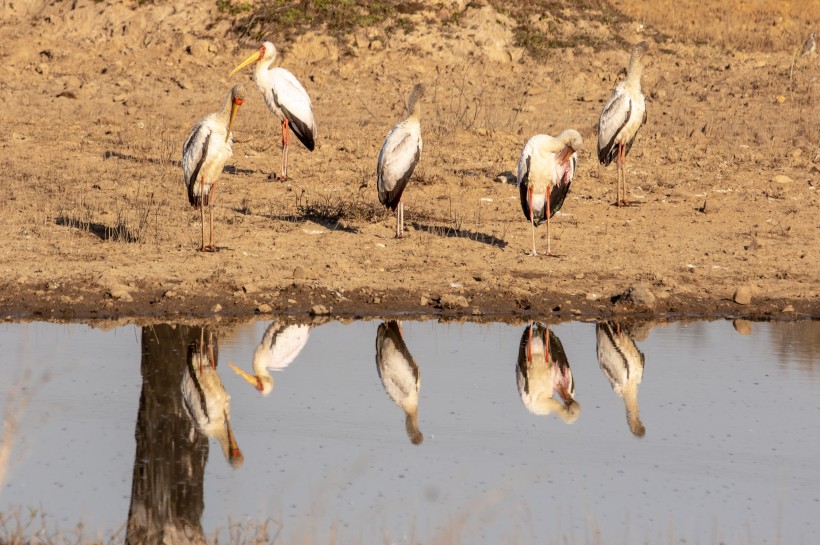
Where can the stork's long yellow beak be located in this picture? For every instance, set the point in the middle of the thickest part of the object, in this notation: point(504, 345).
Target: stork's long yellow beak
point(234, 109)
point(253, 58)
point(247, 376)
point(565, 154)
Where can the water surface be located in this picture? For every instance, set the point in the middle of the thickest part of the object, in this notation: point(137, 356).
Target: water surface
point(454, 433)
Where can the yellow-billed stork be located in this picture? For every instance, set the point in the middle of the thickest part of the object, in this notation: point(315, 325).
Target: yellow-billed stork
point(398, 158)
point(622, 116)
point(286, 99)
point(545, 171)
point(204, 154)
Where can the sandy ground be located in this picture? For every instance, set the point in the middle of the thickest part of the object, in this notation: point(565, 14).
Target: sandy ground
point(98, 97)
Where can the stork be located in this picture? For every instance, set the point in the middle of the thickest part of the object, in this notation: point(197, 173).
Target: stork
point(204, 154)
point(280, 345)
point(285, 97)
point(545, 171)
point(623, 364)
point(398, 158)
point(399, 374)
point(542, 371)
point(623, 115)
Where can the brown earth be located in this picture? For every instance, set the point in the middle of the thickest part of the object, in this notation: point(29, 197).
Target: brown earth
point(98, 97)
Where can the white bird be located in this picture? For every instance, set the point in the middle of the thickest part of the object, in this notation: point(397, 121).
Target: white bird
point(545, 171)
point(280, 345)
point(204, 154)
point(398, 158)
point(542, 371)
point(622, 116)
point(623, 364)
point(399, 374)
point(286, 99)
point(206, 401)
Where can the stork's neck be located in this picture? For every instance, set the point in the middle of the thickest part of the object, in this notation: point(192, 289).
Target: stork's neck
point(223, 116)
point(635, 71)
point(261, 68)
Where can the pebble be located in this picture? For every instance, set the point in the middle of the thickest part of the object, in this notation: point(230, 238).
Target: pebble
point(743, 295)
point(319, 310)
point(639, 295)
point(788, 308)
point(250, 288)
point(216, 308)
point(264, 308)
point(451, 301)
point(423, 301)
point(782, 179)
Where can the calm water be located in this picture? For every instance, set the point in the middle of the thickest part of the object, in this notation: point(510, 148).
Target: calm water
point(583, 433)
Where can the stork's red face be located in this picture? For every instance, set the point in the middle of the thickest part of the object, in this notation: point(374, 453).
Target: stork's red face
point(238, 101)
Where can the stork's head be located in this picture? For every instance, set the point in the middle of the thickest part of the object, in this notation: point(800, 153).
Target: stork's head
point(262, 383)
point(266, 52)
point(569, 141)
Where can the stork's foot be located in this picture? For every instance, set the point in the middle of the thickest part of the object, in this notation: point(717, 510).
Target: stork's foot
point(274, 177)
point(210, 248)
point(624, 202)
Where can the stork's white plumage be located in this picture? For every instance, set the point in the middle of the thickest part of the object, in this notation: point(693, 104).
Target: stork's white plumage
point(545, 171)
point(280, 345)
point(542, 371)
point(204, 154)
point(286, 98)
point(622, 116)
point(623, 364)
point(398, 158)
point(206, 401)
point(399, 374)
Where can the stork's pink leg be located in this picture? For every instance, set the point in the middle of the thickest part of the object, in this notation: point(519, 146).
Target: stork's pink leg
point(211, 195)
point(549, 239)
point(202, 211)
point(285, 143)
point(532, 219)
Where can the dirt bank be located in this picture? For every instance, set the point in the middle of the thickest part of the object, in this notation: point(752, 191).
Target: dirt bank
point(98, 98)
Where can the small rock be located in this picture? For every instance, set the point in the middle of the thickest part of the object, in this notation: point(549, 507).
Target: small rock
point(796, 153)
point(788, 308)
point(169, 294)
point(639, 295)
point(451, 301)
point(423, 301)
point(299, 273)
point(782, 179)
point(744, 327)
point(743, 295)
point(592, 296)
point(216, 308)
point(477, 311)
point(264, 308)
point(249, 288)
point(319, 310)
point(292, 301)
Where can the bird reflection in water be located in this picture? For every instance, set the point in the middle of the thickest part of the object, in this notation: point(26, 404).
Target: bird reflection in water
point(167, 490)
point(399, 374)
point(542, 372)
point(280, 345)
point(623, 364)
point(206, 401)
